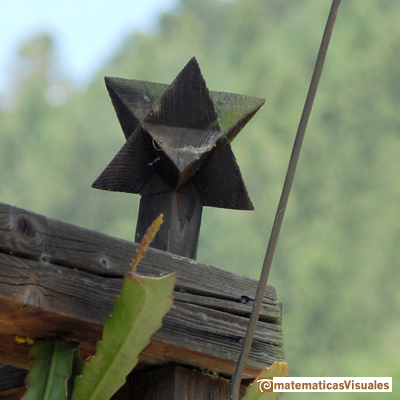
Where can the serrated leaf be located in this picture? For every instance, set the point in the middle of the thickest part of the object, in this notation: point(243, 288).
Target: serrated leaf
point(278, 368)
point(51, 369)
point(137, 314)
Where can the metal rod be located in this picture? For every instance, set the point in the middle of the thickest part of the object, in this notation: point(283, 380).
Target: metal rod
point(237, 376)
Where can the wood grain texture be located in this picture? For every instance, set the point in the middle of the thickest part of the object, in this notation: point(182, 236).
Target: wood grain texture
point(176, 133)
point(12, 394)
point(175, 383)
point(182, 209)
point(59, 280)
point(132, 167)
point(182, 127)
point(12, 382)
point(132, 100)
point(139, 97)
point(11, 377)
point(219, 182)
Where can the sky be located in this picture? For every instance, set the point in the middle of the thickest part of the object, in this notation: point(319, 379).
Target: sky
point(87, 32)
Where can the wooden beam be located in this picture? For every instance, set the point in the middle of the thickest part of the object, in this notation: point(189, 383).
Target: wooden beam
point(60, 280)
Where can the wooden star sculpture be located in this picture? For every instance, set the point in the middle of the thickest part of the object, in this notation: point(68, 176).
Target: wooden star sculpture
point(177, 153)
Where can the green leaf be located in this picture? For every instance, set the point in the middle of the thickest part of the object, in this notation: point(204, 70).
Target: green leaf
point(278, 368)
point(51, 369)
point(137, 315)
point(77, 366)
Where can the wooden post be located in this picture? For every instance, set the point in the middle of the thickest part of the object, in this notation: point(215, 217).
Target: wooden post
point(178, 157)
point(182, 211)
point(177, 154)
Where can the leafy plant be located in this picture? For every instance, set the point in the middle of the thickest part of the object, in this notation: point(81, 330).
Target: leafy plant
point(51, 370)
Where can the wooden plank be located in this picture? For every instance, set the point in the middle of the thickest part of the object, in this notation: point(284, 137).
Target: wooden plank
point(60, 280)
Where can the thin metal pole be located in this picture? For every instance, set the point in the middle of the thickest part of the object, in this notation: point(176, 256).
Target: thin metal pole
point(237, 376)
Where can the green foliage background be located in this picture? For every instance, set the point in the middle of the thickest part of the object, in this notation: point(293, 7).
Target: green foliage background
point(337, 264)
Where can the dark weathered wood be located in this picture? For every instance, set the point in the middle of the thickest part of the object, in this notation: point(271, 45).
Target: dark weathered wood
point(57, 279)
point(219, 182)
point(11, 377)
point(133, 100)
point(11, 352)
point(12, 385)
point(175, 383)
point(12, 394)
point(183, 125)
point(182, 209)
point(177, 153)
point(171, 132)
